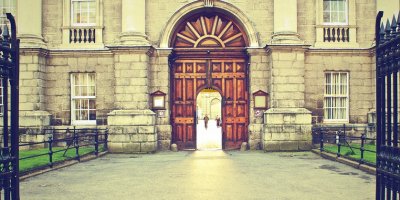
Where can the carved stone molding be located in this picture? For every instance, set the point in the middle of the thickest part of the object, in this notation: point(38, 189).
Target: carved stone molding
point(208, 3)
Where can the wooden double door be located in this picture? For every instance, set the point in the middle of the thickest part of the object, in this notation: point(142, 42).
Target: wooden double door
point(229, 77)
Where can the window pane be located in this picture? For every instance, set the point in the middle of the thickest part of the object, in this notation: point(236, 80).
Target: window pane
point(84, 115)
point(342, 17)
point(92, 12)
point(77, 104)
point(342, 6)
point(334, 17)
point(84, 85)
point(91, 80)
point(84, 12)
point(92, 104)
point(92, 115)
point(334, 5)
point(76, 12)
point(327, 17)
point(335, 11)
point(91, 91)
point(336, 99)
point(76, 91)
point(327, 6)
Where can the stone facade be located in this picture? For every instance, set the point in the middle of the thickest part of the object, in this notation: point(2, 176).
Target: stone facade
point(131, 60)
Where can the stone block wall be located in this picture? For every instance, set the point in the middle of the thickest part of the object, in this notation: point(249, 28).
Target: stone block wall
point(259, 76)
point(132, 131)
point(287, 82)
point(58, 85)
point(31, 84)
point(287, 130)
point(361, 81)
point(159, 79)
point(131, 79)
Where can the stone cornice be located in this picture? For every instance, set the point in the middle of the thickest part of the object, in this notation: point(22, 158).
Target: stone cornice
point(341, 51)
point(256, 51)
point(35, 51)
point(132, 49)
point(79, 52)
point(162, 52)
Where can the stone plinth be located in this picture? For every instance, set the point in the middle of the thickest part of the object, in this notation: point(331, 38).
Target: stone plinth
point(164, 133)
point(132, 131)
point(34, 118)
point(287, 129)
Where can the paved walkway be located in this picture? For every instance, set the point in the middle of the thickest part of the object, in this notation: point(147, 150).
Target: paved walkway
point(203, 175)
point(209, 138)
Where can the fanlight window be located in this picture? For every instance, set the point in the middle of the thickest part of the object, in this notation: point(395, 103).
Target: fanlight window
point(209, 31)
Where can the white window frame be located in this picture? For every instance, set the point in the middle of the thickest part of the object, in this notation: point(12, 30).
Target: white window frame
point(74, 98)
point(3, 10)
point(346, 11)
point(330, 73)
point(83, 24)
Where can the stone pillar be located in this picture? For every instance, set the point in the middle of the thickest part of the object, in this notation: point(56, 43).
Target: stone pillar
point(259, 78)
point(159, 80)
point(132, 123)
point(287, 125)
point(134, 23)
point(30, 24)
point(32, 85)
point(285, 22)
point(32, 64)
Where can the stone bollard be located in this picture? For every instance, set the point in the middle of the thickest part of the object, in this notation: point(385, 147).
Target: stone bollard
point(243, 147)
point(174, 147)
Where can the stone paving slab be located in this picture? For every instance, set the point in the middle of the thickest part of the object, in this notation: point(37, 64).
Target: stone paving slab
point(203, 175)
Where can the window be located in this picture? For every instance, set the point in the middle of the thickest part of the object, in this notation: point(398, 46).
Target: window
point(83, 12)
point(6, 6)
point(83, 98)
point(336, 98)
point(335, 12)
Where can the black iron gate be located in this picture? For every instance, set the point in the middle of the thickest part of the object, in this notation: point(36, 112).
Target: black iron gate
point(387, 83)
point(9, 74)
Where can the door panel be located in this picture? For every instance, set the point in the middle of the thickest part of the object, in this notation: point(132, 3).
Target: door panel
point(188, 75)
point(232, 78)
point(225, 75)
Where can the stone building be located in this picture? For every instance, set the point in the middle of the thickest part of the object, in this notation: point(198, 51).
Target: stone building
point(137, 66)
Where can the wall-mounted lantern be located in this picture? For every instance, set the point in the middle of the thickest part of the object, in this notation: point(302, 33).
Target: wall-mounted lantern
point(260, 100)
point(158, 100)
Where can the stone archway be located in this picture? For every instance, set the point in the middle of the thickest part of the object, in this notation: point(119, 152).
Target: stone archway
point(199, 6)
point(209, 52)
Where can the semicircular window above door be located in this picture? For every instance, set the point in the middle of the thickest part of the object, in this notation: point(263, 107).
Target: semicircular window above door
point(209, 31)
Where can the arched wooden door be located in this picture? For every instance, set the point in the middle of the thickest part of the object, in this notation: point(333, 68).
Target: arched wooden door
point(209, 53)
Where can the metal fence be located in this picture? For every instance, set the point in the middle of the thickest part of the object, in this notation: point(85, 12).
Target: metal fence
point(9, 74)
point(387, 108)
point(71, 139)
point(355, 138)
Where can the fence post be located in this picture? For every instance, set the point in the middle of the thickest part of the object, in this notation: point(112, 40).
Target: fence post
point(76, 143)
point(338, 143)
point(106, 140)
point(96, 142)
point(321, 137)
point(362, 149)
point(50, 141)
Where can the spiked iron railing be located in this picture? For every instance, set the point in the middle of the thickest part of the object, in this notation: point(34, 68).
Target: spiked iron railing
point(9, 74)
point(387, 73)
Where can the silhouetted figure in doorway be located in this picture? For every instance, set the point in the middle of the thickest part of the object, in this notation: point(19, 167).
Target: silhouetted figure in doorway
point(206, 121)
point(218, 120)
